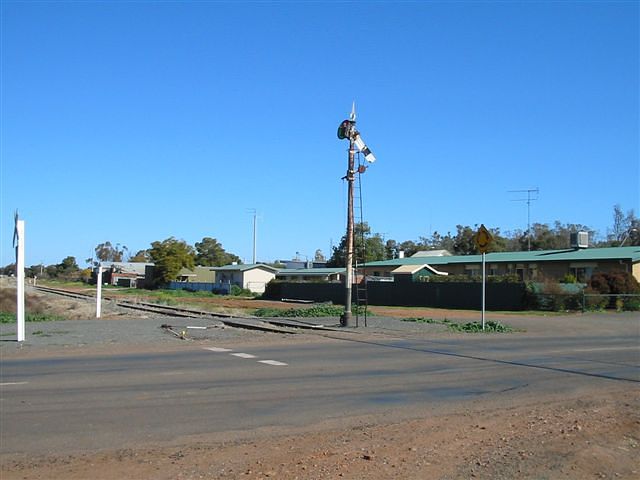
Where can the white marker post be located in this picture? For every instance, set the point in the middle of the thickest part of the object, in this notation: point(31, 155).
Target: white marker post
point(19, 244)
point(99, 292)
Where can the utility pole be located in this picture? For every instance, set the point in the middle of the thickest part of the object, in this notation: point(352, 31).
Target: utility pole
point(346, 319)
point(348, 130)
point(255, 227)
point(529, 199)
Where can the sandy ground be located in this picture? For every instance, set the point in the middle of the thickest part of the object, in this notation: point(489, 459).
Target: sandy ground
point(594, 434)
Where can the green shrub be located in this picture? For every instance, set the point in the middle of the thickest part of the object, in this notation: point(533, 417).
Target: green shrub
point(316, 311)
point(237, 291)
point(631, 304)
point(593, 301)
point(476, 327)
point(470, 327)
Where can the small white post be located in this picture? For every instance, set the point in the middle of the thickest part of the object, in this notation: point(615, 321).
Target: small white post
point(483, 287)
point(99, 292)
point(20, 279)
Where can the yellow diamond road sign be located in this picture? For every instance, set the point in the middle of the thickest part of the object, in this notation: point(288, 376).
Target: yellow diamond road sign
point(483, 239)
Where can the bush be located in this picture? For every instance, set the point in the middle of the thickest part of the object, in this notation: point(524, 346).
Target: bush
point(594, 301)
point(631, 304)
point(617, 283)
point(237, 291)
point(552, 296)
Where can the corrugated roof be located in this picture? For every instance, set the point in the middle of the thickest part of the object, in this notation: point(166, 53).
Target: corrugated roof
point(432, 253)
point(568, 255)
point(311, 271)
point(243, 267)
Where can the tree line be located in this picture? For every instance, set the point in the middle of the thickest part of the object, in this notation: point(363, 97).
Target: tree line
point(171, 255)
point(370, 247)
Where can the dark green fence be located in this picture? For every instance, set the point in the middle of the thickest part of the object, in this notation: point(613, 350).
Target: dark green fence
point(499, 296)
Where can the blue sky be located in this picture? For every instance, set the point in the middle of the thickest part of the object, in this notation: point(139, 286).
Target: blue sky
point(136, 121)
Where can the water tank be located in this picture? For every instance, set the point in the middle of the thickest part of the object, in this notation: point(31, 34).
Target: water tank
point(579, 240)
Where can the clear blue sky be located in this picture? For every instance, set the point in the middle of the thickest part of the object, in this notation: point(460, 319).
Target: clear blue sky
point(136, 121)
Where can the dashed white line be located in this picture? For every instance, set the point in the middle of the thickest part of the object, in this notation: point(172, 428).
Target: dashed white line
point(12, 383)
point(246, 355)
point(243, 355)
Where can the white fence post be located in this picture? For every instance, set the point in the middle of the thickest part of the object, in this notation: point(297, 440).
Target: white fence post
point(99, 292)
point(20, 279)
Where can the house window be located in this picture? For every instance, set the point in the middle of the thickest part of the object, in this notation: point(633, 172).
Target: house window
point(472, 270)
point(581, 274)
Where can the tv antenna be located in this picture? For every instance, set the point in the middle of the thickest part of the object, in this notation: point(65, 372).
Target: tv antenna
point(347, 130)
point(532, 195)
point(254, 212)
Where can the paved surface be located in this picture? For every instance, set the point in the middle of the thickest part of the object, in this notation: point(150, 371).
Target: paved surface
point(233, 382)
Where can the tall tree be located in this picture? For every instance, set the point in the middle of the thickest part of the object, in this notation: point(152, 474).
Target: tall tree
point(209, 253)
point(106, 252)
point(141, 256)
point(363, 240)
point(626, 228)
point(169, 257)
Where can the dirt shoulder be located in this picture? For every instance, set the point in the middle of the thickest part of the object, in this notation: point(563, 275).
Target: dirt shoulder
point(594, 435)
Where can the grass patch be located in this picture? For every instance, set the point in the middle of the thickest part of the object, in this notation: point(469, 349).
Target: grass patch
point(317, 311)
point(7, 317)
point(420, 320)
point(469, 327)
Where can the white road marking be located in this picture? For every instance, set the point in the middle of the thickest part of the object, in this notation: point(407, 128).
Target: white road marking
point(604, 349)
point(243, 355)
point(12, 383)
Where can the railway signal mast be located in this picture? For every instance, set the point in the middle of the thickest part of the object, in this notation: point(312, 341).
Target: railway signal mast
point(347, 130)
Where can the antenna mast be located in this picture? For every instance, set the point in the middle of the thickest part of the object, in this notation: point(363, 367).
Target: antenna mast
point(529, 199)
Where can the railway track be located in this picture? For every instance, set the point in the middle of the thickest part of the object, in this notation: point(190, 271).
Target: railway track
point(246, 322)
point(168, 310)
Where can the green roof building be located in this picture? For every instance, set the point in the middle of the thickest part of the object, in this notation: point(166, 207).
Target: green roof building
point(537, 265)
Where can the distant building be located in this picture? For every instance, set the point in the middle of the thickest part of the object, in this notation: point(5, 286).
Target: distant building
point(311, 274)
point(537, 265)
point(123, 274)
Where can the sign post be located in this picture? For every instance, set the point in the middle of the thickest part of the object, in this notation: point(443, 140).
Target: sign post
point(483, 240)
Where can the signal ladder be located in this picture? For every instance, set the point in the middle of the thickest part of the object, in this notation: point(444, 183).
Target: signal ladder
point(360, 250)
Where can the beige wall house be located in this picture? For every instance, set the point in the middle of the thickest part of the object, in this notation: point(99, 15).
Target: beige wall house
point(252, 277)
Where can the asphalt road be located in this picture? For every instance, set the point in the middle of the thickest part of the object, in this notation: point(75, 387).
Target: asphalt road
point(73, 403)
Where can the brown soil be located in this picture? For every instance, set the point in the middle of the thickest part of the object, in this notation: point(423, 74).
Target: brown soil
point(595, 436)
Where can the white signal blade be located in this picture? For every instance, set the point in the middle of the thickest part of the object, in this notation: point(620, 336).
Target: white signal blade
point(368, 155)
